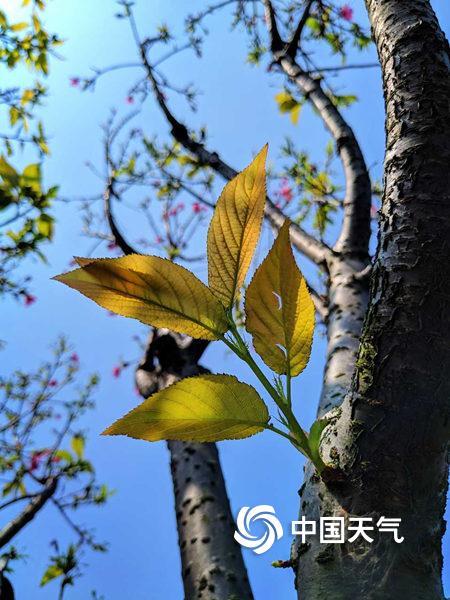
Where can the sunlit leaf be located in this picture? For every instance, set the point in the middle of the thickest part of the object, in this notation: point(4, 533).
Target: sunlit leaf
point(288, 104)
point(203, 409)
point(234, 230)
point(152, 290)
point(77, 445)
point(279, 310)
point(51, 573)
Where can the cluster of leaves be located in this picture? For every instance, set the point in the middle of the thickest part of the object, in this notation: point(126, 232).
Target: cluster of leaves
point(22, 200)
point(26, 220)
point(318, 196)
point(279, 315)
point(42, 458)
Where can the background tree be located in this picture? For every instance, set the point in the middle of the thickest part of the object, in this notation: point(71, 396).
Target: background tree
point(25, 218)
point(43, 463)
point(42, 441)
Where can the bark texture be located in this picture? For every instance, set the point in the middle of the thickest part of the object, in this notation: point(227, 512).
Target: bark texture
point(389, 438)
point(212, 563)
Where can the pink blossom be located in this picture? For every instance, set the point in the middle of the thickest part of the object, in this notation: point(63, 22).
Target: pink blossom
point(74, 81)
point(197, 207)
point(34, 461)
point(75, 358)
point(129, 100)
point(52, 383)
point(36, 458)
point(112, 245)
point(29, 299)
point(158, 239)
point(56, 459)
point(117, 370)
point(346, 12)
point(286, 193)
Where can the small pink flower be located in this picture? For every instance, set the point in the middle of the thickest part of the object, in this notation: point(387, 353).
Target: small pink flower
point(112, 246)
point(158, 239)
point(56, 459)
point(74, 81)
point(34, 461)
point(198, 208)
point(346, 12)
point(75, 358)
point(52, 383)
point(117, 370)
point(36, 458)
point(29, 299)
point(129, 100)
point(286, 193)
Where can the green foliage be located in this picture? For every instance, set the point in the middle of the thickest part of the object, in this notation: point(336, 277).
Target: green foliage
point(25, 220)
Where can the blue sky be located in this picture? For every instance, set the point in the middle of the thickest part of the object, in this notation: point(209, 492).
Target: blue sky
point(239, 108)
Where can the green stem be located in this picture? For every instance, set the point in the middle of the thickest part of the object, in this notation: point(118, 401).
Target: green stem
point(288, 389)
point(241, 349)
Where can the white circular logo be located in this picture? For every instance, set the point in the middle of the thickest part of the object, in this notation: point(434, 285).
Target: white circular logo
point(273, 532)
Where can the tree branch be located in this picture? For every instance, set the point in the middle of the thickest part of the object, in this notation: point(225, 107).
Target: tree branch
point(276, 43)
point(28, 513)
point(316, 251)
point(293, 44)
point(355, 232)
point(117, 235)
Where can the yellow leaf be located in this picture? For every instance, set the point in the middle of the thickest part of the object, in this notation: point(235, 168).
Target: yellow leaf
point(288, 104)
point(279, 310)
point(77, 445)
point(19, 26)
point(234, 230)
point(153, 290)
point(208, 408)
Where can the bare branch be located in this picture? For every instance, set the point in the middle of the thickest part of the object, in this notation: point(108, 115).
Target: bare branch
point(319, 303)
point(117, 235)
point(293, 44)
point(316, 251)
point(355, 232)
point(276, 43)
point(28, 513)
point(336, 68)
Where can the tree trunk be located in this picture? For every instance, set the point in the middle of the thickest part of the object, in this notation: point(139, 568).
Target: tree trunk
point(212, 563)
point(389, 438)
